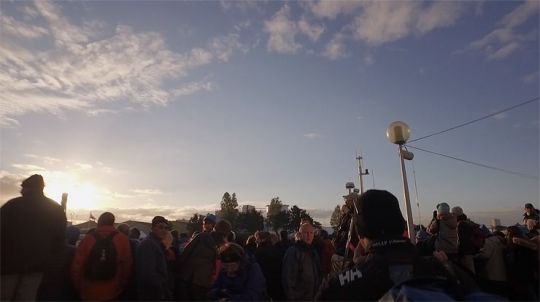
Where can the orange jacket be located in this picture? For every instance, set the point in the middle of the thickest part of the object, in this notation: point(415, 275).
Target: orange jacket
point(107, 289)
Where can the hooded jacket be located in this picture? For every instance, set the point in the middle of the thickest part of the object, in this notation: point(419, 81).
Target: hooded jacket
point(247, 285)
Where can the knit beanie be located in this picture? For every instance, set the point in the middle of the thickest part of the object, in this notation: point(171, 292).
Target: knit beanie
point(379, 216)
point(443, 208)
point(458, 211)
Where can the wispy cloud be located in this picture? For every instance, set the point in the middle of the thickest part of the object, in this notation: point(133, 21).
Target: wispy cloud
point(385, 21)
point(312, 135)
point(372, 23)
point(88, 68)
point(331, 9)
point(531, 77)
point(9, 185)
point(28, 168)
point(83, 166)
point(147, 212)
point(336, 47)
point(282, 32)
point(147, 191)
point(500, 116)
point(505, 39)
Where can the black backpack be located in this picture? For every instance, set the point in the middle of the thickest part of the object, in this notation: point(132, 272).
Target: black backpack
point(101, 262)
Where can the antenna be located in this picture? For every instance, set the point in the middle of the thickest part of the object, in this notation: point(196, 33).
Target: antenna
point(361, 173)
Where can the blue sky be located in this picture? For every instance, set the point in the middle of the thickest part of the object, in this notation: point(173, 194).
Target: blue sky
point(160, 107)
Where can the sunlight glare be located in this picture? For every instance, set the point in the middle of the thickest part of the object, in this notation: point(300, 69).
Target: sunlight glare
point(81, 195)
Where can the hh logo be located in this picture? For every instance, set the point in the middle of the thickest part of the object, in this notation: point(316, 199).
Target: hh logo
point(349, 276)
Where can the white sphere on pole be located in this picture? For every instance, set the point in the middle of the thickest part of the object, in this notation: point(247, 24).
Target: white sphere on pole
point(398, 133)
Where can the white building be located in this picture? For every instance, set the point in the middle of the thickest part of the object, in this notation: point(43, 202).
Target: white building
point(247, 208)
point(284, 208)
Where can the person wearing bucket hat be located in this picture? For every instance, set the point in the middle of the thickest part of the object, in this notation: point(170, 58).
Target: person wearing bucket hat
point(380, 225)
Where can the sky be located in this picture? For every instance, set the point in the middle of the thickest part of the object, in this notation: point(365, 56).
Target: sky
point(150, 108)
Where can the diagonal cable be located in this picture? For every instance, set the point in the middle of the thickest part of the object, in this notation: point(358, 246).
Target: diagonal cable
point(476, 120)
point(477, 164)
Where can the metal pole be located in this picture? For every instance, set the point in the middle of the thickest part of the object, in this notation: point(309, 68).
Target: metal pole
point(360, 174)
point(410, 224)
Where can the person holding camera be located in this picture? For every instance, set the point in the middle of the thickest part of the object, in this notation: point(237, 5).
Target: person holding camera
point(444, 227)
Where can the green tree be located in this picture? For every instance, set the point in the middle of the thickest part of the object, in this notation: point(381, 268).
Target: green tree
point(296, 215)
point(250, 222)
point(334, 219)
point(277, 219)
point(195, 223)
point(229, 208)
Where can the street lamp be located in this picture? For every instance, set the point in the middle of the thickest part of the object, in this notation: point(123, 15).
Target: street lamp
point(398, 133)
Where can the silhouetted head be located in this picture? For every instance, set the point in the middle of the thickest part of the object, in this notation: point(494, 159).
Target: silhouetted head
point(134, 233)
point(209, 222)
point(223, 227)
point(379, 216)
point(123, 228)
point(106, 218)
point(32, 185)
point(231, 254)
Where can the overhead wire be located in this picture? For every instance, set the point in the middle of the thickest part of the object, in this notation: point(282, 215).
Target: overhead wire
point(477, 164)
point(476, 120)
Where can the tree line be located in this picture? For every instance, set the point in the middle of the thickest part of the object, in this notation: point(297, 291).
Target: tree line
point(252, 220)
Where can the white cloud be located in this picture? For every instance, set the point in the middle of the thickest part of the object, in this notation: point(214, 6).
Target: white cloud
point(439, 14)
point(282, 32)
point(9, 185)
point(386, 21)
point(313, 31)
point(87, 70)
point(505, 40)
point(331, 9)
point(336, 48)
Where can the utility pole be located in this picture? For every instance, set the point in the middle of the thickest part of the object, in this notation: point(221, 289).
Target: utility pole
point(360, 173)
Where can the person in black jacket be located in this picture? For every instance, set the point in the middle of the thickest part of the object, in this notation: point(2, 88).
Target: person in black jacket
point(301, 271)
point(390, 257)
point(269, 259)
point(153, 280)
point(32, 232)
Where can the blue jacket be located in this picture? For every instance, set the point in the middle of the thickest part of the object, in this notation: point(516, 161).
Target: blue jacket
point(248, 284)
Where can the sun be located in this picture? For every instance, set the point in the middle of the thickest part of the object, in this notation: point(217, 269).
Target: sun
point(81, 194)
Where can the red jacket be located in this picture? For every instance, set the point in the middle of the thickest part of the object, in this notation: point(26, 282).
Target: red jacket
point(97, 289)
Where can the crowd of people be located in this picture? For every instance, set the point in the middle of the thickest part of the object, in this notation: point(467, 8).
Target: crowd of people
point(369, 257)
